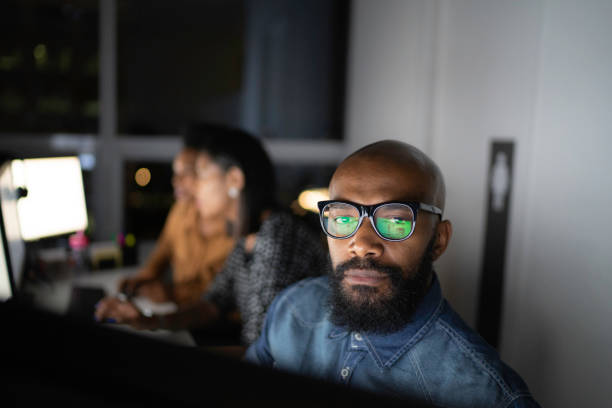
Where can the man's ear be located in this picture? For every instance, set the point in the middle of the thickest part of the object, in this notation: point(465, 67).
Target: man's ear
point(444, 231)
point(234, 178)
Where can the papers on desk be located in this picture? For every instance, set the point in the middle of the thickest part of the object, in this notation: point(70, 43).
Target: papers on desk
point(149, 308)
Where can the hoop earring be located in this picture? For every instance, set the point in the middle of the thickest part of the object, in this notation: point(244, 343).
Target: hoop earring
point(232, 192)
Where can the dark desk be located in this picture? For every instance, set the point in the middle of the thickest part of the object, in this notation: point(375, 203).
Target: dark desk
point(55, 296)
point(50, 359)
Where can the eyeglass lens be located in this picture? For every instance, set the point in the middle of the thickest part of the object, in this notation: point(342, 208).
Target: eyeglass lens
point(340, 219)
point(392, 221)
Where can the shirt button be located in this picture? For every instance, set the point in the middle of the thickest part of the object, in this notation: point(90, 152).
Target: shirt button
point(345, 372)
point(358, 337)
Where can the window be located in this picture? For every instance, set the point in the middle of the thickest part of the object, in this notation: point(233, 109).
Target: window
point(49, 66)
point(276, 68)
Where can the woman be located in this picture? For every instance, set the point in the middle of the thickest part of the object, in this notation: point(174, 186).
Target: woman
point(274, 249)
point(194, 248)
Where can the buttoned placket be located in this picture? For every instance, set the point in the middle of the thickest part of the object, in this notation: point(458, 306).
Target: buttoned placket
point(357, 350)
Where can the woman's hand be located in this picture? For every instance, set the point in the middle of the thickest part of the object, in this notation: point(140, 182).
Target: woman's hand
point(151, 289)
point(129, 286)
point(113, 309)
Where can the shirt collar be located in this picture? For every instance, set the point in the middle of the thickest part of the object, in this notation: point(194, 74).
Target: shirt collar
point(386, 349)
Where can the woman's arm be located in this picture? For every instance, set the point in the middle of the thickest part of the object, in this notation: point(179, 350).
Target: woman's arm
point(116, 310)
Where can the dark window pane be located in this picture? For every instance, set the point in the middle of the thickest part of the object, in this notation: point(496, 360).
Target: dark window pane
point(49, 66)
point(274, 67)
point(148, 197)
point(178, 60)
point(295, 69)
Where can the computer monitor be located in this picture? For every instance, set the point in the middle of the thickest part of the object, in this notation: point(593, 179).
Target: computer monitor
point(13, 245)
point(55, 201)
point(6, 284)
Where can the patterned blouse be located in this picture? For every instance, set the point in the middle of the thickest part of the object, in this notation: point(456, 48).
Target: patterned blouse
point(286, 250)
point(195, 260)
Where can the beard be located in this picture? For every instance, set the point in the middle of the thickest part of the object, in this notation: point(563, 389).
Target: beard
point(371, 309)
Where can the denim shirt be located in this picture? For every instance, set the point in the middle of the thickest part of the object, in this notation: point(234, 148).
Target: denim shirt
point(436, 358)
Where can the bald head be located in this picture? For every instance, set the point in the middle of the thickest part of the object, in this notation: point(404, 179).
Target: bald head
point(367, 297)
point(392, 166)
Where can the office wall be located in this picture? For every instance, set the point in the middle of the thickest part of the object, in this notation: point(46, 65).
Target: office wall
point(389, 71)
point(558, 327)
point(537, 73)
point(485, 88)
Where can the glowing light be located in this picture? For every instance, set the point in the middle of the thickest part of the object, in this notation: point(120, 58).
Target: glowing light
point(40, 51)
point(142, 176)
point(130, 240)
point(40, 55)
point(308, 199)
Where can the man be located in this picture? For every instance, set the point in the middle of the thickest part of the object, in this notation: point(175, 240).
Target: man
point(379, 321)
point(194, 248)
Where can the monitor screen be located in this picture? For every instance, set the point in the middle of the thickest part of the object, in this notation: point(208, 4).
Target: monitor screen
point(55, 201)
point(15, 246)
point(6, 290)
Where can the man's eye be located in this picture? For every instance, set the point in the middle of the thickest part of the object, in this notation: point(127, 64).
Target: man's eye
point(343, 220)
point(398, 220)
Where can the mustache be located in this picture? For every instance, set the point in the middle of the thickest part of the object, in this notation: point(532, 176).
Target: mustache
point(367, 264)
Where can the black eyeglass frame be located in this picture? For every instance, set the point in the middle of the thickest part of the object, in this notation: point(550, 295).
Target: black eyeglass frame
point(369, 210)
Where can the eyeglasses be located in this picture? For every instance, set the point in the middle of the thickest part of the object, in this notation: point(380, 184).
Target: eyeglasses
point(392, 221)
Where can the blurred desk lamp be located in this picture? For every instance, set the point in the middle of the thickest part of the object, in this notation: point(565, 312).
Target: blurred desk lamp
point(308, 199)
point(52, 196)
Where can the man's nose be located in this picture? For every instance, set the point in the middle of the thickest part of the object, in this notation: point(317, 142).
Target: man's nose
point(365, 242)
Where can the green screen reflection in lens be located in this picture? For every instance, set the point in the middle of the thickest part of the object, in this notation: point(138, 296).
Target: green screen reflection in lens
point(393, 228)
point(342, 226)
